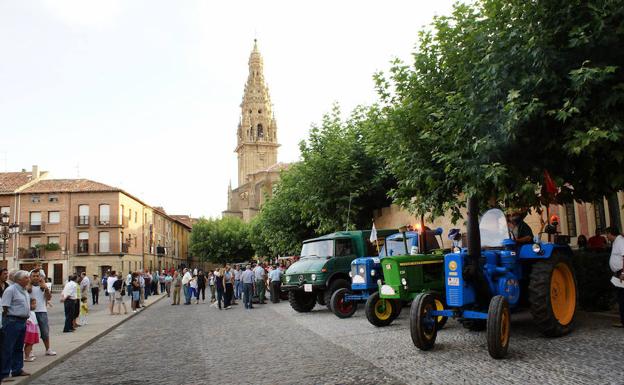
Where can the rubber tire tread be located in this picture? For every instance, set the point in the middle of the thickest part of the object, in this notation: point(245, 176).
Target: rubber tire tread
point(418, 336)
point(334, 300)
point(498, 305)
point(297, 300)
point(369, 310)
point(539, 296)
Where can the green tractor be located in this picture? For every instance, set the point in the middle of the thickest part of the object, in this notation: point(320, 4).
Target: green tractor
point(324, 267)
point(408, 270)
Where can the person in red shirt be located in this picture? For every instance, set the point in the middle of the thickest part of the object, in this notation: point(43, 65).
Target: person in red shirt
point(597, 242)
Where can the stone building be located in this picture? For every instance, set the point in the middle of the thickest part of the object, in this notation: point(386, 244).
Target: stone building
point(256, 145)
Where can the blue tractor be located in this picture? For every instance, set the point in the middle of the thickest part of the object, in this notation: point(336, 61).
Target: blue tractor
point(496, 275)
point(365, 272)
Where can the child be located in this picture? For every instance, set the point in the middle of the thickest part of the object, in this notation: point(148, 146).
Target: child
point(84, 310)
point(193, 289)
point(32, 333)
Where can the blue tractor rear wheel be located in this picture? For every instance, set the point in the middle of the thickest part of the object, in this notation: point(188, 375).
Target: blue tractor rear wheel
point(423, 326)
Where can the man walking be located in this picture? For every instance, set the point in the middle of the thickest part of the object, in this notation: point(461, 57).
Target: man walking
point(177, 285)
point(40, 292)
point(275, 280)
point(260, 275)
point(238, 284)
point(186, 282)
point(247, 278)
point(111, 290)
point(95, 290)
point(69, 296)
point(15, 311)
point(85, 285)
point(616, 263)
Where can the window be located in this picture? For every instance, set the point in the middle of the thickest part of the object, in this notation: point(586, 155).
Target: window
point(260, 111)
point(53, 198)
point(34, 241)
point(135, 217)
point(599, 215)
point(104, 241)
point(571, 219)
point(83, 214)
point(260, 131)
point(104, 215)
point(5, 210)
point(56, 240)
point(129, 214)
point(614, 211)
point(54, 217)
point(83, 242)
point(35, 199)
point(35, 221)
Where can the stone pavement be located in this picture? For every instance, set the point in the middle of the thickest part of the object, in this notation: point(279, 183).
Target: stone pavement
point(65, 344)
point(272, 344)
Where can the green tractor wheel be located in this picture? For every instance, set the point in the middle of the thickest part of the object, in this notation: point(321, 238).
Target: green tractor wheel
point(380, 311)
point(423, 327)
point(342, 308)
point(498, 325)
point(301, 301)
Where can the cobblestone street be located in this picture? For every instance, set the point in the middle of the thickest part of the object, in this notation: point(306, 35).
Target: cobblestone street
point(274, 345)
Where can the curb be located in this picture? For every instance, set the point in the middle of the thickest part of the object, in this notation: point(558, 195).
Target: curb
point(43, 370)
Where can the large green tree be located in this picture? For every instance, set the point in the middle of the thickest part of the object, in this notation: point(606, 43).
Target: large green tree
point(221, 240)
point(337, 184)
point(500, 91)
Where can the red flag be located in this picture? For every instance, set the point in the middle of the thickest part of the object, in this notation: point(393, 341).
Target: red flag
point(549, 183)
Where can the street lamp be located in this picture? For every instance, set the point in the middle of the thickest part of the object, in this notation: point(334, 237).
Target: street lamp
point(6, 231)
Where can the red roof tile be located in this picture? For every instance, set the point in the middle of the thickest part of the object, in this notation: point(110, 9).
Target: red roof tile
point(11, 181)
point(68, 185)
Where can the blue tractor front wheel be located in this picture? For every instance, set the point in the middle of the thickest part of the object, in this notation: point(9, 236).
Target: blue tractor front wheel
point(423, 325)
point(341, 307)
point(498, 327)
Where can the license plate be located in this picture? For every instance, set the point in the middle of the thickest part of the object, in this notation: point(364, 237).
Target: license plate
point(307, 287)
point(453, 281)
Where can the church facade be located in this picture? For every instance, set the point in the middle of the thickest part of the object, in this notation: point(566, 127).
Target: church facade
point(256, 146)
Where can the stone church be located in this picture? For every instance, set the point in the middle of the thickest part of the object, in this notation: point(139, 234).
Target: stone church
point(256, 146)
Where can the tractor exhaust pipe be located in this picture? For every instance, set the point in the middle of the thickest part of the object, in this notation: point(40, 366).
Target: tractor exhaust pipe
point(472, 227)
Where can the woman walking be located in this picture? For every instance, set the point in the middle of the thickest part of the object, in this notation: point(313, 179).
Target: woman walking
point(229, 287)
point(193, 289)
point(211, 283)
point(201, 286)
point(120, 291)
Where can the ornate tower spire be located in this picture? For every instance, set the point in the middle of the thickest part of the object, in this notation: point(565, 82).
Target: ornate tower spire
point(257, 131)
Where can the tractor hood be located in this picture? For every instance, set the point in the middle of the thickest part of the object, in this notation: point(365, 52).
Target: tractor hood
point(307, 265)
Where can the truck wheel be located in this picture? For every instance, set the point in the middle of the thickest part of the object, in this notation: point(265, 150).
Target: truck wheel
point(333, 286)
point(380, 311)
point(423, 327)
point(301, 301)
point(498, 325)
point(439, 304)
point(552, 295)
point(341, 307)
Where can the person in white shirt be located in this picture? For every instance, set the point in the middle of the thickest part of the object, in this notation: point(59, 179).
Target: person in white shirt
point(40, 292)
point(69, 297)
point(85, 284)
point(111, 290)
point(186, 279)
point(616, 263)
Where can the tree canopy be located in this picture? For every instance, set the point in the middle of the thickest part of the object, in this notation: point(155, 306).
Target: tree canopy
point(500, 91)
point(221, 240)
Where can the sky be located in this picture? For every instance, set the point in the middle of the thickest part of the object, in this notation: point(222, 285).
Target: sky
point(145, 95)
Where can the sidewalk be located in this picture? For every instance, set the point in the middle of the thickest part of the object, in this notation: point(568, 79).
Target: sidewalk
point(100, 322)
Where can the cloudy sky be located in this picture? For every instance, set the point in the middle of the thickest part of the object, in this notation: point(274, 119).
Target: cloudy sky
point(145, 94)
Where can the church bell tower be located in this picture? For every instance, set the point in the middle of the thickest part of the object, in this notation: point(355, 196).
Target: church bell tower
point(257, 130)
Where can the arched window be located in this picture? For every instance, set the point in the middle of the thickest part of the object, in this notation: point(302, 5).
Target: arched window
point(260, 131)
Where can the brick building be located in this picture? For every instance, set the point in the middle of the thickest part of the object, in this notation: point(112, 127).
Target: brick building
point(75, 225)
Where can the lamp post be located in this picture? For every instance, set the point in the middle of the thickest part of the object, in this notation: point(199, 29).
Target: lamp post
point(6, 231)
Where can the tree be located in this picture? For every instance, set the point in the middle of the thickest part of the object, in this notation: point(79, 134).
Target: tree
point(497, 93)
point(221, 240)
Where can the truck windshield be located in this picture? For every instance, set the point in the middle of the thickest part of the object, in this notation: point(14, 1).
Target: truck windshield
point(318, 249)
point(493, 228)
point(394, 247)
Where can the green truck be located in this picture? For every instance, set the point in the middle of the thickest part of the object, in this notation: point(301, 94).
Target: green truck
point(324, 266)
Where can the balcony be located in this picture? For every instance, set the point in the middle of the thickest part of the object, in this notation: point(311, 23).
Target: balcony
point(30, 253)
point(32, 227)
point(110, 221)
point(81, 221)
point(113, 248)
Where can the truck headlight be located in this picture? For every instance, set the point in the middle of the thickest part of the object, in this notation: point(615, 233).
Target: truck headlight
point(372, 273)
point(537, 248)
point(288, 278)
point(351, 274)
point(361, 270)
point(313, 276)
point(404, 281)
point(456, 250)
